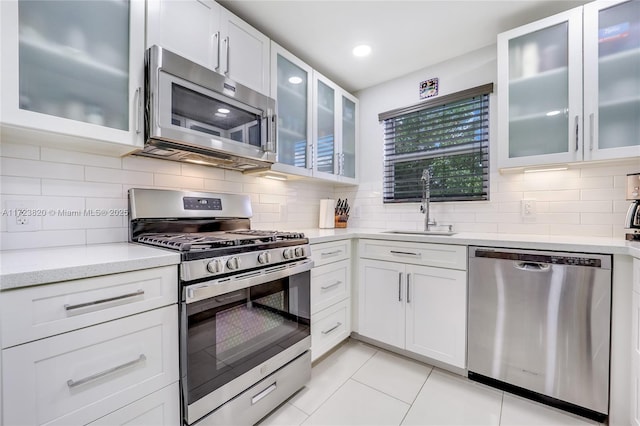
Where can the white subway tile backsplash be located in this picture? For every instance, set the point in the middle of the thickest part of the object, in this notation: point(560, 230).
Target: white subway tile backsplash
point(601, 218)
point(145, 164)
point(20, 185)
point(108, 235)
point(42, 169)
point(73, 188)
point(602, 194)
point(100, 174)
point(14, 150)
point(172, 181)
point(552, 195)
point(195, 170)
point(223, 186)
point(580, 206)
point(83, 158)
point(27, 240)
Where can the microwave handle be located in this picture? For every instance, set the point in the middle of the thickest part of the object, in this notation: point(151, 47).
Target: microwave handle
point(272, 123)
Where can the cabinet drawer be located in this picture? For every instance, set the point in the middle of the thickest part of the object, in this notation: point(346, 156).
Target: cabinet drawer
point(329, 284)
point(78, 377)
point(334, 251)
point(330, 327)
point(161, 408)
point(36, 312)
point(427, 254)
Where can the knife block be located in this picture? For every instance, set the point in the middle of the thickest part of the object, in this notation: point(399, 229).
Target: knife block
point(340, 221)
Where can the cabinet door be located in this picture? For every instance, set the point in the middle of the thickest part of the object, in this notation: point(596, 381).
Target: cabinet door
point(291, 87)
point(325, 134)
point(612, 79)
point(245, 53)
point(74, 69)
point(381, 301)
point(168, 19)
point(437, 313)
point(540, 97)
point(348, 143)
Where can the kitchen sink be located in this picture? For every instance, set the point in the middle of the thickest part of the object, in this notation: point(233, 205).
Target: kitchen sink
point(433, 232)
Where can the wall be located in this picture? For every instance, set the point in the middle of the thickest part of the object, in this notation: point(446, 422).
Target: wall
point(588, 200)
point(63, 184)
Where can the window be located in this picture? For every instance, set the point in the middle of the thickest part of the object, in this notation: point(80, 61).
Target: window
point(448, 135)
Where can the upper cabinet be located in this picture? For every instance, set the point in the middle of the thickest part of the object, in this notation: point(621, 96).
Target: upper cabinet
point(334, 131)
point(548, 113)
point(74, 70)
point(208, 34)
point(317, 121)
point(612, 70)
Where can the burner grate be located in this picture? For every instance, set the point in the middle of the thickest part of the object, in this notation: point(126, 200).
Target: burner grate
point(185, 242)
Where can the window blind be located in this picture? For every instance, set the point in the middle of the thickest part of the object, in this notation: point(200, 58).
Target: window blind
point(448, 135)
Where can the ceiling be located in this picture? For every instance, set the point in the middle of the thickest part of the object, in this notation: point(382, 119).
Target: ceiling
point(405, 35)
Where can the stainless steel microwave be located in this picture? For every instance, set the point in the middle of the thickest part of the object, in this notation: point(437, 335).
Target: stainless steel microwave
point(196, 115)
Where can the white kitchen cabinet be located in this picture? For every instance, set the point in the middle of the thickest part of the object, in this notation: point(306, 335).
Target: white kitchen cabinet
point(159, 408)
point(411, 306)
point(635, 346)
point(612, 72)
point(317, 121)
point(291, 87)
point(216, 39)
point(330, 295)
point(80, 376)
point(335, 132)
point(548, 114)
point(74, 70)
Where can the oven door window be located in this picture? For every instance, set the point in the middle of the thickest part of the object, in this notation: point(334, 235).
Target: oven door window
point(230, 334)
point(213, 116)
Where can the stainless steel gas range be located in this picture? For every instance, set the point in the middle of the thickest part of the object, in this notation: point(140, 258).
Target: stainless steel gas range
point(244, 303)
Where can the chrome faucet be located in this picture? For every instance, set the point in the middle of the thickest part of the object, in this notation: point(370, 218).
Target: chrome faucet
point(427, 174)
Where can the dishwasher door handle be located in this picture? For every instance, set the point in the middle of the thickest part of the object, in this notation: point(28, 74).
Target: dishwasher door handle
point(532, 266)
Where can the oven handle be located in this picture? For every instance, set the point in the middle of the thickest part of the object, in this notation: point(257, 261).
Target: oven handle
point(213, 288)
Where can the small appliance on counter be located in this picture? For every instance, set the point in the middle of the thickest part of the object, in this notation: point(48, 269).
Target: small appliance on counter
point(327, 207)
point(632, 221)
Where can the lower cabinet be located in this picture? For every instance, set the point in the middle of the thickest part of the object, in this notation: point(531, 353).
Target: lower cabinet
point(330, 296)
point(159, 408)
point(418, 308)
point(635, 347)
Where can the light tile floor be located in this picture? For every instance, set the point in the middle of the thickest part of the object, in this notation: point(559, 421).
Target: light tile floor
point(359, 384)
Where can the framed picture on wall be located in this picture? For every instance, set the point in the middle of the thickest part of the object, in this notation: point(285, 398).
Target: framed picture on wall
point(428, 88)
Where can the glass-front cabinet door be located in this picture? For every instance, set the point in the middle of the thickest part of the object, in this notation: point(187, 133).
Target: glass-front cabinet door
point(291, 87)
point(612, 79)
point(540, 97)
point(347, 166)
point(325, 128)
point(74, 68)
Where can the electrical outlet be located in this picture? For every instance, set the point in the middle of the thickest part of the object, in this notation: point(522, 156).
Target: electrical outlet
point(528, 209)
point(22, 216)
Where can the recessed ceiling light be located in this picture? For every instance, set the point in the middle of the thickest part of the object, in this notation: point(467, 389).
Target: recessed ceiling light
point(295, 80)
point(219, 114)
point(223, 111)
point(362, 50)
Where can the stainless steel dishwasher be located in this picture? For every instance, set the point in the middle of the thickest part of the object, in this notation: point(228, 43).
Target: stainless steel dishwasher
point(539, 325)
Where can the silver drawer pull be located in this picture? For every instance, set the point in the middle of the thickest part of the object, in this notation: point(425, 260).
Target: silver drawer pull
point(326, 287)
point(73, 383)
point(107, 300)
point(264, 393)
point(404, 253)
point(332, 328)
point(331, 253)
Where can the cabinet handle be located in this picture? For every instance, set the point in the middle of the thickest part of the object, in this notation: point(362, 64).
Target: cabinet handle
point(264, 393)
point(591, 131)
point(331, 253)
point(227, 48)
point(408, 279)
point(337, 283)
point(107, 300)
point(332, 328)
point(404, 253)
point(309, 156)
point(138, 102)
point(73, 383)
point(399, 286)
point(217, 37)
point(577, 133)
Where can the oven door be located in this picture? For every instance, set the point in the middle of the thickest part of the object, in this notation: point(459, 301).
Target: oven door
point(239, 329)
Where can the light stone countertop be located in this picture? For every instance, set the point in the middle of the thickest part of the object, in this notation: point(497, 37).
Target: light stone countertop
point(22, 268)
point(27, 267)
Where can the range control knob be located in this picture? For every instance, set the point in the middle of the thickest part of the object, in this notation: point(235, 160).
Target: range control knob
point(299, 251)
point(233, 263)
point(215, 266)
point(287, 253)
point(264, 258)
